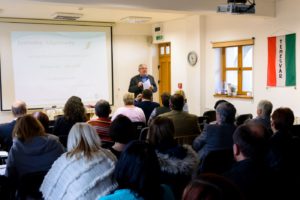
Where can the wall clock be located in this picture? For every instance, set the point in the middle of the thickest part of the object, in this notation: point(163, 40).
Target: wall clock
point(192, 58)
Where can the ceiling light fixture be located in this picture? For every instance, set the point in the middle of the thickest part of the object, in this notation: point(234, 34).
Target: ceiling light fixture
point(135, 19)
point(66, 16)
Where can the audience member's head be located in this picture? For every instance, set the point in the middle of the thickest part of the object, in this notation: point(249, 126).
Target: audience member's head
point(250, 141)
point(264, 109)
point(218, 102)
point(83, 140)
point(165, 99)
point(282, 119)
point(102, 109)
point(225, 113)
point(74, 110)
point(43, 118)
point(19, 108)
point(122, 130)
point(128, 99)
point(177, 102)
point(211, 187)
point(147, 94)
point(138, 170)
point(28, 127)
point(161, 132)
point(181, 92)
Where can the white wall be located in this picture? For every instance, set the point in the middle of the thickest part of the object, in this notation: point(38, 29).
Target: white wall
point(186, 35)
point(234, 27)
point(196, 33)
point(131, 46)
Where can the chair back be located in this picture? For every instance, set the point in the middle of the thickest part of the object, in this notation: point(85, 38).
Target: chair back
point(295, 130)
point(63, 140)
point(143, 134)
point(3, 157)
point(217, 161)
point(186, 139)
point(211, 115)
point(202, 120)
point(6, 188)
point(138, 127)
point(51, 126)
point(242, 118)
point(29, 185)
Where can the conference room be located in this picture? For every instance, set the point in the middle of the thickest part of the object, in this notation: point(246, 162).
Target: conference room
point(187, 27)
point(217, 49)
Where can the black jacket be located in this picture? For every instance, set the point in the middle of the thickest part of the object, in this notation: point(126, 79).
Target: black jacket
point(6, 135)
point(138, 90)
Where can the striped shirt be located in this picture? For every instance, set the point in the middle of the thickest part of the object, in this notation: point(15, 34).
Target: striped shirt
point(102, 127)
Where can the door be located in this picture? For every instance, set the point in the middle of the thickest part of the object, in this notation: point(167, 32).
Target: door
point(164, 81)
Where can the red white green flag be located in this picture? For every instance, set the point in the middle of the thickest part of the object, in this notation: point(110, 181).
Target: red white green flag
point(282, 61)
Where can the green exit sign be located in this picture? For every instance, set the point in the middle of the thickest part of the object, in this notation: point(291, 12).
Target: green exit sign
point(159, 37)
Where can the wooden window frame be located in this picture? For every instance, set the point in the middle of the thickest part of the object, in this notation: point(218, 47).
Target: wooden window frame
point(240, 69)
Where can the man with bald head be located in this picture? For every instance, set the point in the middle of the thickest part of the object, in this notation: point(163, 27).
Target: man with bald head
point(143, 79)
point(18, 109)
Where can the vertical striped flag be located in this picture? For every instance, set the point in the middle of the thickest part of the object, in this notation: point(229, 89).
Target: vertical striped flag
point(282, 60)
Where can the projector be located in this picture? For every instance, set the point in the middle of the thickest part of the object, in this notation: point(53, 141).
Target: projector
point(237, 7)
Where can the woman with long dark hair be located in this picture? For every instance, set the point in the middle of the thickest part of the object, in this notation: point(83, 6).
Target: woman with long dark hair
point(138, 175)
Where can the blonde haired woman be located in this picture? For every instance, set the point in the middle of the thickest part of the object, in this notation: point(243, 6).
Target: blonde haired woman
point(134, 113)
point(84, 172)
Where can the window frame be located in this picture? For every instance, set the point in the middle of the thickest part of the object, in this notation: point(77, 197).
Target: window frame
point(240, 68)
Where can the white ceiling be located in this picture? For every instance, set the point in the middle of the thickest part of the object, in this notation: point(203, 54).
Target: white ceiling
point(114, 10)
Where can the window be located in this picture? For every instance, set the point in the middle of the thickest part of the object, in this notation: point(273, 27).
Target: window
point(235, 64)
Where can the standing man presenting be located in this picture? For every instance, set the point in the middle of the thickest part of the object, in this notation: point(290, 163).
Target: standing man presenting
point(142, 81)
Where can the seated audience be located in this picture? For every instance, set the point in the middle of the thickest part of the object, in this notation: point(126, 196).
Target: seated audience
point(211, 187)
point(249, 172)
point(283, 156)
point(219, 102)
point(138, 175)
point(74, 111)
point(165, 100)
point(264, 110)
point(102, 123)
point(122, 131)
point(134, 113)
point(18, 109)
point(185, 123)
point(217, 136)
point(210, 115)
point(33, 150)
point(185, 106)
point(84, 171)
point(177, 163)
point(282, 121)
point(43, 118)
point(147, 105)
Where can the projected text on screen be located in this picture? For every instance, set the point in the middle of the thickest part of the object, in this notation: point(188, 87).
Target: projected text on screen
point(49, 67)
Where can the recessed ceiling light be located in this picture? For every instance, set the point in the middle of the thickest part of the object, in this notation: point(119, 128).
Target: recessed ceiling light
point(135, 19)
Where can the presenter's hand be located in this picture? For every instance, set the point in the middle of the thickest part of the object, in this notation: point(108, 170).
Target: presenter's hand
point(138, 97)
point(151, 88)
point(140, 84)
